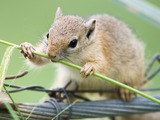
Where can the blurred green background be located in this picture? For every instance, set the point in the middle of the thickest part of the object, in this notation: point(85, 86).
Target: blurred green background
point(28, 20)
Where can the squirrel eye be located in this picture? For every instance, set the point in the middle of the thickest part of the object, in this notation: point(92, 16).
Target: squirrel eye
point(73, 43)
point(47, 35)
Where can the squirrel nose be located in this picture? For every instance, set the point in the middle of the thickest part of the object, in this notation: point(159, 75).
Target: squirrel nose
point(52, 56)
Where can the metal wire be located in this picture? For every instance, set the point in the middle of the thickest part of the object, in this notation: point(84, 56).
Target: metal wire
point(155, 58)
point(92, 109)
point(55, 104)
point(42, 89)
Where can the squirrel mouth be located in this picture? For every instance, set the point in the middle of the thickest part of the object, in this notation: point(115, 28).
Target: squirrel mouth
point(54, 60)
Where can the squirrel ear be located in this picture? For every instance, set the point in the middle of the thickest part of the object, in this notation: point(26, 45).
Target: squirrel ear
point(90, 26)
point(58, 13)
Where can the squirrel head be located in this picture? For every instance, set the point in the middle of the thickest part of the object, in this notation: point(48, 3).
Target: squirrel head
point(69, 35)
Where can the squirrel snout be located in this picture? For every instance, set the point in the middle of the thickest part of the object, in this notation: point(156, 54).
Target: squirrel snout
point(52, 56)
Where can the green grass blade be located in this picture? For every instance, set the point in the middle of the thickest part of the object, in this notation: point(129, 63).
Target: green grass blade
point(9, 108)
point(4, 65)
point(3, 70)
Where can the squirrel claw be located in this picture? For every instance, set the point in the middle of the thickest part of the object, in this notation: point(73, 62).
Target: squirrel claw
point(88, 69)
point(27, 50)
point(126, 95)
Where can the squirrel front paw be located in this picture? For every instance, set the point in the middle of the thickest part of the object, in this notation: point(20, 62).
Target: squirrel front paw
point(88, 69)
point(27, 50)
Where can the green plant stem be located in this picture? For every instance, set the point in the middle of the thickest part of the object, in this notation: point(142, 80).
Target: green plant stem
point(95, 74)
point(10, 109)
point(13, 103)
point(9, 44)
point(3, 70)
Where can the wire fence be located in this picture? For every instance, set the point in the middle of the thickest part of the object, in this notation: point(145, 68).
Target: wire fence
point(50, 109)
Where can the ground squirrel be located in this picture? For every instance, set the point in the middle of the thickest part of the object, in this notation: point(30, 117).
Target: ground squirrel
point(101, 43)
